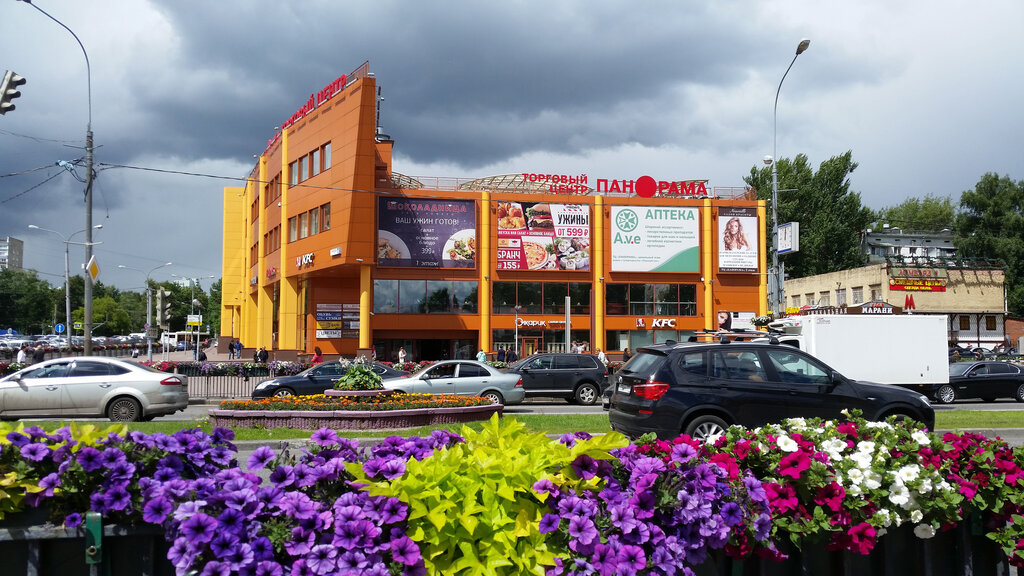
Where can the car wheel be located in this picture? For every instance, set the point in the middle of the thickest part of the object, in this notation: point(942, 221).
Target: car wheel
point(587, 394)
point(494, 397)
point(1020, 393)
point(284, 393)
point(703, 428)
point(945, 394)
point(124, 409)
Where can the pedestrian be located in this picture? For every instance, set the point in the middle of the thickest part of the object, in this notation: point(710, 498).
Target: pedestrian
point(39, 354)
point(201, 356)
point(401, 355)
point(511, 356)
point(22, 355)
point(135, 350)
point(626, 354)
point(238, 349)
point(501, 354)
point(318, 355)
point(601, 356)
point(481, 356)
point(261, 356)
point(231, 350)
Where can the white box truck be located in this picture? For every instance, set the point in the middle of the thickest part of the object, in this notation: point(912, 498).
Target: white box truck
point(908, 350)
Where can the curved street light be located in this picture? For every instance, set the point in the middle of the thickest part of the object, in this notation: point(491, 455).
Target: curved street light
point(67, 270)
point(192, 281)
point(149, 304)
point(777, 294)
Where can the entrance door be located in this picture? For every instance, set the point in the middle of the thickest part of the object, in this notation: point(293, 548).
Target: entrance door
point(528, 346)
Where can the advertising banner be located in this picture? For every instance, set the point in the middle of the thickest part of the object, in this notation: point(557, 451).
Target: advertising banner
point(737, 239)
point(655, 239)
point(337, 320)
point(542, 236)
point(918, 284)
point(426, 233)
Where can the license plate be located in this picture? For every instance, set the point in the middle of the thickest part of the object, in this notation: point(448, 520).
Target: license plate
point(623, 388)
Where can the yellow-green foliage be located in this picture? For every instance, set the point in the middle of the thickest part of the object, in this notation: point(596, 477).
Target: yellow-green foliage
point(19, 477)
point(472, 507)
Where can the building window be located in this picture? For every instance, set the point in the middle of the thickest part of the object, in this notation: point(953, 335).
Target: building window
point(554, 298)
point(303, 168)
point(616, 299)
point(412, 296)
point(529, 297)
point(314, 221)
point(465, 299)
point(314, 162)
point(293, 229)
point(325, 217)
point(579, 295)
point(303, 225)
point(858, 295)
point(796, 301)
point(326, 155)
point(385, 296)
point(641, 299)
point(503, 298)
point(990, 323)
point(824, 300)
point(876, 291)
point(293, 173)
point(840, 296)
point(651, 299)
point(965, 322)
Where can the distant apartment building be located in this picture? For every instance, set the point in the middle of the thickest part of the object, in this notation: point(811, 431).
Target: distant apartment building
point(11, 253)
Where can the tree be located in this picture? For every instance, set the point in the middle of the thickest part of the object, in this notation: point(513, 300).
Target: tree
point(213, 304)
point(831, 216)
point(26, 302)
point(108, 317)
point(930, 214)
point(990, 225)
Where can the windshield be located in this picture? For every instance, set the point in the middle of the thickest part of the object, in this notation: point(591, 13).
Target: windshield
point(645, 362)
point(958, 368)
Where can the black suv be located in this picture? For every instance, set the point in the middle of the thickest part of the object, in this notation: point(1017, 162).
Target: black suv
point(701, 388)
point(576, 377)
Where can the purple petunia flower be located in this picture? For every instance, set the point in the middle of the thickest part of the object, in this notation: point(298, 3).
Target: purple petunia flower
point(49, 482)
point(394, 510)
point(283, 476)
point(325, 437)
point(268, 568)
point(232, 521)
point(322, 559)
point(262, 549)
point(117, 498)
point(683, 452)
point(17, 439)
point(631, 559)
point(299, 568)
point(199, 528)
point(111, 457)
point(762, 527)
point(156, 510)
point(549, 523)
point(215, 568)
point(582, 529)
point(223, 544)
point(260, 458)
point(180, 554)
point(393, 469)
point(34, 452)
point(584, 466)
point(73, 520)
point(732, 514)
point(405, 551)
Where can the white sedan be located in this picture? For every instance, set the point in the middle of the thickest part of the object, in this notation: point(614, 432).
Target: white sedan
point(97, 387)
point(462, 378)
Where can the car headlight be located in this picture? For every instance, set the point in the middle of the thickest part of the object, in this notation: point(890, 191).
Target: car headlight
point(265, 384)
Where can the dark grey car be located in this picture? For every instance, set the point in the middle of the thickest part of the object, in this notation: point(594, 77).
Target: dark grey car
point(578, 378)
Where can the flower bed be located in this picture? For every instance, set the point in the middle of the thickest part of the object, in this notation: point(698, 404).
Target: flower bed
point(503, 500)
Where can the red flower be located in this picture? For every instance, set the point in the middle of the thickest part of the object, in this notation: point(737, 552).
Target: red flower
point(862, 538)
point(728, 463)
point(781, 498)
point(793, 464)
point(848, 428)
point(831, 496)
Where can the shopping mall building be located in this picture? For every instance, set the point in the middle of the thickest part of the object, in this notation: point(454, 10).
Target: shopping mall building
point(326, 246)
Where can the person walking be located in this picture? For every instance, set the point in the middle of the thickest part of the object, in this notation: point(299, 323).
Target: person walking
point(261, 356)
point(401, 355)
point(511, 356)
point(231, 350)
point(626, 354)
point(601, 356)
point(318, 355)
point(22, 355)
point(238, 349)
point(481, 356)
point(501, 354)
point(39, 354)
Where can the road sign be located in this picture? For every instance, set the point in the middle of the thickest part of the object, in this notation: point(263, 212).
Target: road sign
point(78, 325)
point(59, 328)
point(93, 268)
point(146, 326)
point(152, 333)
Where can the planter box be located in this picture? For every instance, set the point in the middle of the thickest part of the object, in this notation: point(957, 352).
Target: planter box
point(357, 393)
point(42, 550)
point(351, 419)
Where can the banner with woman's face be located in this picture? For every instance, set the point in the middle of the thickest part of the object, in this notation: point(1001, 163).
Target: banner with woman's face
point(738, 234)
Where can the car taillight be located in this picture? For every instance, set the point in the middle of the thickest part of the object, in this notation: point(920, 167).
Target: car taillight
point(651, 390)
point(172, 381)
point(519, 384)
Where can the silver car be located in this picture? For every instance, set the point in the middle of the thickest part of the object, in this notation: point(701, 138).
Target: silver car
point(121, 390)
point(463, 378)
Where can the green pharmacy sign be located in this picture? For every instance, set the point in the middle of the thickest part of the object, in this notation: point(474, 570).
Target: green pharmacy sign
point(655, 239)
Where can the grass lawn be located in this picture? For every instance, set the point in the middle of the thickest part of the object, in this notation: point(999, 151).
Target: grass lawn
point(549, 424)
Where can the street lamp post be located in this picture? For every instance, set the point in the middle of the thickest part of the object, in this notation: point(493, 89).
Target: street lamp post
point(192, 284)
point(149, 305)
point(87, 320)
point(777, 293)
point(517, 308)
point(67, 272)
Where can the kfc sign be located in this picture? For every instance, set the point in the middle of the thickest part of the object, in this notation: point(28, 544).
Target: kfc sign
point(657, 323)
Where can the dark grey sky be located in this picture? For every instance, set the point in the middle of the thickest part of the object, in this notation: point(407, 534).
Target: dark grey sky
point(926, 95)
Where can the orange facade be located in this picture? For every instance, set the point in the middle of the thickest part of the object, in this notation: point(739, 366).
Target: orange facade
point(310, 257)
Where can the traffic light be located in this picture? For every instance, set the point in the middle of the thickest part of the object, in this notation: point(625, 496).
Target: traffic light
point(159, 307)
point(164, 306)
point(9, 91)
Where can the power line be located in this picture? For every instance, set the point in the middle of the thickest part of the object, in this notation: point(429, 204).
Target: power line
point(18, 195)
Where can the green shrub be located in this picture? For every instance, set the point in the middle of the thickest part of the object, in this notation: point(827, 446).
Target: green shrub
point(472, 507)
point(359, 377)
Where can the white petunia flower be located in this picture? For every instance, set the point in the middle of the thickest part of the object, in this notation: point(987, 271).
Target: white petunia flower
point(866, 447)
point(920, 437)
point(854, 490)
point(899, 495)
point(872, 480)
point(881, 532)
point(925, 486)
point(796, 423)
point(855, 475)
point(944, 486)
point(834, 447)
point(924, 531)
point(885, 517)
point(862, 460)
point(787, 444)
point(909, 473)
point(916, 516)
